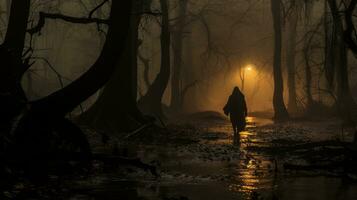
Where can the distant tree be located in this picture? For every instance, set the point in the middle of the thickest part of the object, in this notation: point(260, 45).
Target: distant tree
point(340, 42)
point(151, 102)
point(295, 8)
point(177, 44)
point(308, 43)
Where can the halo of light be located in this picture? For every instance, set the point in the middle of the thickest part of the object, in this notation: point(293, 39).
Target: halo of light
point(249, 67)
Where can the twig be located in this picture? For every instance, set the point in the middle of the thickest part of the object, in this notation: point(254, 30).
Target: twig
point(138, 130)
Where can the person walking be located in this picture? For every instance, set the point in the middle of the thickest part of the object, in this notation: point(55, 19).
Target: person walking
point(236, 109)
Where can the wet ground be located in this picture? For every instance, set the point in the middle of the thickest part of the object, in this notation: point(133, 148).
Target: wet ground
point(214, 169)
point(206, 165)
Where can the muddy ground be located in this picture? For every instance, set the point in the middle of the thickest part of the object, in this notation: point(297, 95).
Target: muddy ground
point(196, 159)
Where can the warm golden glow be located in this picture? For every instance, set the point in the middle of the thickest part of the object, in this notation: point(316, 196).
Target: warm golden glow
point(249, 67)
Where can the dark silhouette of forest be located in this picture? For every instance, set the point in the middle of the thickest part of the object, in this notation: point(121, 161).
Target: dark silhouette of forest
point(159, 73)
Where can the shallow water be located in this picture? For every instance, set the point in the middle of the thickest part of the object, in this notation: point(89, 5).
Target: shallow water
point(214, 169)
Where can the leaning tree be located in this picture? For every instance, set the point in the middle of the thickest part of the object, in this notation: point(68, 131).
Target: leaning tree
point(116, 109)
point(43, 121)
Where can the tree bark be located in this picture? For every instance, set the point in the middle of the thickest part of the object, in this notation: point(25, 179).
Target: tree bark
point(310, 103)
point(150, 103)
point(329, 56)
point(290, 59)
point(308, 77)
point(68, 98)
point(345, 101)
point(146, 74)
point(178, 38)
point(46, 116)
point(17, 26)
point(116, 109)
point(281, 113)
point(13, 46)
point(12, 96)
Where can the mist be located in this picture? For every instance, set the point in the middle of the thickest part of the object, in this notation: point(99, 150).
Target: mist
point(178, 99)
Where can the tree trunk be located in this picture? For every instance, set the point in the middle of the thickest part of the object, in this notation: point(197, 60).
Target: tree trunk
point(329, 56)
point(278, 99)
point(151, 102)
point(13, 46)
point(146, 73)
point(116, 109)
point(178, 38)
point(308, 77)
point(345, 101)
point(190, 75)
point(17, 26)
point(290, 59)
point(45, 116)
point(12, 96)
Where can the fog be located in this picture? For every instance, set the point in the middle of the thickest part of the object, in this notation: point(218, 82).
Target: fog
point(221, 39)
point(178, 99)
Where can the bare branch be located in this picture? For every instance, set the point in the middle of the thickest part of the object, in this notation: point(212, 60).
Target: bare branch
point(96, 8)
point(76, 20)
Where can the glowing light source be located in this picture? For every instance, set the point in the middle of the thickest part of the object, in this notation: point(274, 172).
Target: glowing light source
point(249, 67)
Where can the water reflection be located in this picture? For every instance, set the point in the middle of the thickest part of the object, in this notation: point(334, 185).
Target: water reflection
point(250, 175)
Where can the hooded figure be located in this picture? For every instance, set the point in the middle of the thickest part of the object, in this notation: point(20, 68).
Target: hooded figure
point(236, 108)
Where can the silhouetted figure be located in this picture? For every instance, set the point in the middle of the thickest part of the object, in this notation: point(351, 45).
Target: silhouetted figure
point(236, 108)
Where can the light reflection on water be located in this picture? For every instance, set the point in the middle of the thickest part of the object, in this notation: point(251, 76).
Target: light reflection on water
point(251, 176)
point(252, 173)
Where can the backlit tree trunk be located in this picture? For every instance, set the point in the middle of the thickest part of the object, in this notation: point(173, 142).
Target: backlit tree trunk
point(12, 96)
point(116, 109)
point(178, 38)
point(278, 99)
point(290, 58)
point(151, 102)
point(345, 101)
point(47, 115)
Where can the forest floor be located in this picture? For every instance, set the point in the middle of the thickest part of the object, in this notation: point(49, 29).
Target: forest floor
point(195, 159)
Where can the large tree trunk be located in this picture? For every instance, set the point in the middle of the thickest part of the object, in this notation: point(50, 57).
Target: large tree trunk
point(12, 96)
point(46, 116)
point(290, 59)
point(345, 101)
point(116, 109)
point(190, 74)
point(329, 56)
point(278, 100)
point(308, 42)
point(146, 73)
point(12, 48)
point(308, 77)
point(178, 37)
point(310, 103)
point(151, 102)
point(17, 26)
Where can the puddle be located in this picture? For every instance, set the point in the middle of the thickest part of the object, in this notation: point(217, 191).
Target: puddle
point(214, 169)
